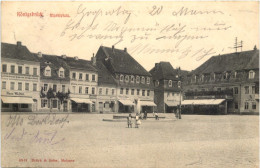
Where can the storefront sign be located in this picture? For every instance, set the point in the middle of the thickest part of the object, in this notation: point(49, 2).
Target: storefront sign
point(15, 93)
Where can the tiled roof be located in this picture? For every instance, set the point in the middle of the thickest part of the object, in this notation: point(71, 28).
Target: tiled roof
point(55, 63)
point(80, 64)
point(104, 76)
point(230, 62)
point(14, 51)
point(122, 62)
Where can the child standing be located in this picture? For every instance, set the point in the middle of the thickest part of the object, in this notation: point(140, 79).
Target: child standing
point(129, 121)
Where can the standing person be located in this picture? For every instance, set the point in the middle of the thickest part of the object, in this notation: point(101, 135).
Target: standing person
point(156, 116)
point(145, 114)
point(129, 121)
point(137, 121)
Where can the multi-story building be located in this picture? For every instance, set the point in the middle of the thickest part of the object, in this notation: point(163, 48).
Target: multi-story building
point(55, 82)
point(83, 84)
point(134, 87)
point(167, 86)
point(226, 83)
point(20, 77)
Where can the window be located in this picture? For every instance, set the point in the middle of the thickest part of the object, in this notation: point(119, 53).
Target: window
point(86, 90)
point(132, 79)
point(80, 89)
point(27, 70)
point(20, 85)
point(93, 90)
point(74, 89)
point(113, 91)
point(132, 91)
point(73, 75)
point(246, 105)
point(34, 71)
point(44, 103)
point(236, 90)
point(137, 79)
point(253, 89)
point(235, 74)
point(24, 106)
point(45, 87)
point(47, 71)
point(80, 76)
point(179, 84)
point(218, 89)
point(61, 73)
point(126, 91)
point(4, 85)
point(12, 86)
point(12, 69)
point(20, 69)
point(87, 77)
point(4, 68)
point(138, 91)
point(121, 78)
point(148, 92)
point(170, 83)
point(251, 74)
point(93, 77)
point(253, 105)
point(143, 80)
point(157, 83)
point(106, 91)
point(63, 88)
point(126, 78)
point(148, 80)
point(143, 92)
point(54, 88)
point(100, 91)
point(236, 105)
point(34, 87)
point(121, 90)
point(54, 104)
point(246, 89)
point(26, 86)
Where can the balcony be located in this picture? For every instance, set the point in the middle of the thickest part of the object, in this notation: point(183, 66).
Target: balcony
point(223, 94)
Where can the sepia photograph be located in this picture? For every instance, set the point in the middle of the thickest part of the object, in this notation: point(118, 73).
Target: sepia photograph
point(130, 84)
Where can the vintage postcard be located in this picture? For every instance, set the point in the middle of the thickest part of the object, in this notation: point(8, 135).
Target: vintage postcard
point(149, 84)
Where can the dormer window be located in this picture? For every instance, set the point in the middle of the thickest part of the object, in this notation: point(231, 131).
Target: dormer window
point(137, 79)
point(251, 74)
point(202, 78)
point(235, 74)
point(132, 79)
point(170, 83)
point(179, 84)
point(47, 71)
point(121, 78)
point(148, 80)
point(143, 80)
point(61, 72)
point(157, 83)
point(126, 78)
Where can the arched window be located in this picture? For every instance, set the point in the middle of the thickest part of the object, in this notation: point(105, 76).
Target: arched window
point(47, 71)
point(137, 79)
point(251, 74)
point(126, 78)
point(143, 80)
point(132, 79)
point(121, 78)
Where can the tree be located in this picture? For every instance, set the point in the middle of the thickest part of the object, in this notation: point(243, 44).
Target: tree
point(50, 95)
point(62, 96)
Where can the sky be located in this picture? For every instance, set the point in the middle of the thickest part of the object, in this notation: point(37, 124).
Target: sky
point(186, 34)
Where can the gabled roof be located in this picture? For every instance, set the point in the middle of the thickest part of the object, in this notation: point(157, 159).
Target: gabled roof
point(123, 62)
point(79, 64)
point(55, 63)
point(230, 62)
point(18, 51)
point(104, 76)
point(164, 70)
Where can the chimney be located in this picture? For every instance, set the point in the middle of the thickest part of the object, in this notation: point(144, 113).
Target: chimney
point(113, 47)
point(156, 66)
point(93, 60)
point(63, 56)
point(125, 50)
point(39, 54)
point(76, 58)
point(19, 44)
point(255, 47)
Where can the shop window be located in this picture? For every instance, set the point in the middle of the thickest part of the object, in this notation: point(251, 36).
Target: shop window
point(20, 69)
point(254, 105)
point(143, 92)
point(126, 91)
point(121, 90)
point(80, 76)
point(251, 74)
point(100, 91)
point(34, 71)
point(236, 90)
point(24, 106)
point(27, 86)
point(246, 89)
point(218, 89)
point(86, 90)
point(44, 103)
point(137, 79)
point(12, 69)
point(246, 105)
point(138, 92)
point(87, 77)
point(132, 92)
point(148, 92)
point(20, 85)
point(93, 77)
point(93, 90)
point(54, 104)
point(27, 70)
point(4, 68)
point(12, 86)
point(54, 88)
point(5, 105)
point(3, 84)
point(34, 87)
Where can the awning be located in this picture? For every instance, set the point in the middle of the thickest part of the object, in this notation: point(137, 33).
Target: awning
point(126, 102)
point(147, 103)
point(78, 100)
point(19, 100)
point(203, 102)
point(170, 104)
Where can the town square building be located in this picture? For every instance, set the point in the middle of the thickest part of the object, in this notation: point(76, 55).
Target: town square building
point(227, 83)
point(20, 79)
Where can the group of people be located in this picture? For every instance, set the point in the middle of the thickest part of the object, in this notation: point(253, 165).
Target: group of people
point(130, 123)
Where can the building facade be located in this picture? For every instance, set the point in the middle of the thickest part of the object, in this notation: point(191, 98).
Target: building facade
point(224, 84)
point(20, 77)
point(134, 87)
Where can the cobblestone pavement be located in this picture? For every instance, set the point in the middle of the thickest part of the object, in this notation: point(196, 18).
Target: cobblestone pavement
point(194, 141)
